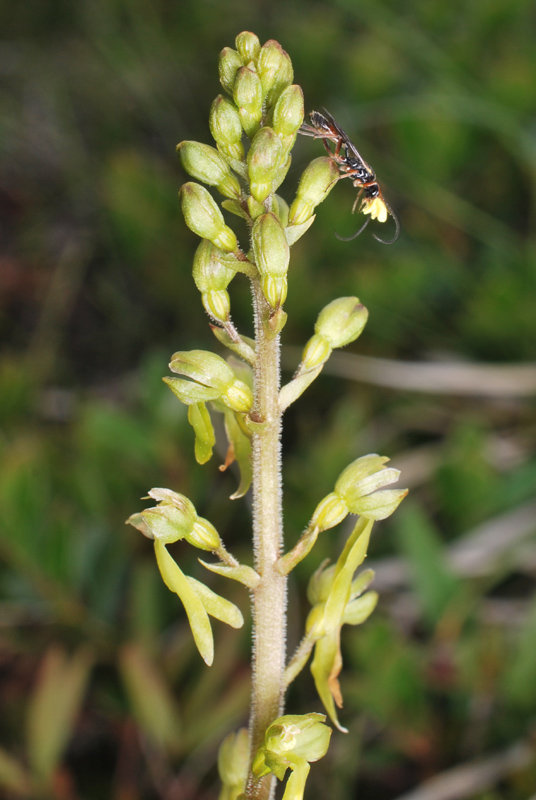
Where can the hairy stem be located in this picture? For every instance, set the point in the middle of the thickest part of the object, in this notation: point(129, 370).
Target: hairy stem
point(269, 598)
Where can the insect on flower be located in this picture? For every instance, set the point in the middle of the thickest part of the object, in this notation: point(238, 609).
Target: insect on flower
point(352, 165)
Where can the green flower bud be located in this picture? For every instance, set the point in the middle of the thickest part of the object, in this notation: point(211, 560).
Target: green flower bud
point(329, 512)
point(217, 305)
point(358, 487)
point(213, 373)
point(289, 111)
point(229, 64)
point(248, 47)
point(205, 163)
point(316, 352)
point(282, 210)
point(189, 392)
point(213, 269)
point(212, 274)
point(233, 762)
point(263, 161)
point(204, 367)
point(238, 397)
point(204, 535)
point(274, 289)
point(315, 184)
point(272, 255)
point(247, 95)
point(226, 128)
point(275, 70)
point(341, 321)
point(255, 209)
point(204, 218)
point(320, 583)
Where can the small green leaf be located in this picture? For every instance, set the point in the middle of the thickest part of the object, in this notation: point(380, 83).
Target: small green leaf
point(245, 347)
point(235, 208)
point(295, 232)
point(242, 573)
point(296, 387)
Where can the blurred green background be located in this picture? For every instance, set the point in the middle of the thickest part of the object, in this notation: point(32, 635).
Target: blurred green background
point(102, 693)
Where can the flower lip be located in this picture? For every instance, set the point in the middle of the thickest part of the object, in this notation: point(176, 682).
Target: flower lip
point(376, 208)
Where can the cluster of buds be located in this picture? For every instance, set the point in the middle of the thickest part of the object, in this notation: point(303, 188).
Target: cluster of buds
point(261, 102)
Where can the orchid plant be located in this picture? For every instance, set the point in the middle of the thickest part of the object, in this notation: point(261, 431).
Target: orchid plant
point(262, 107)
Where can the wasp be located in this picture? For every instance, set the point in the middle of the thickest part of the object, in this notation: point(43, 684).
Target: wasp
point(352, 165)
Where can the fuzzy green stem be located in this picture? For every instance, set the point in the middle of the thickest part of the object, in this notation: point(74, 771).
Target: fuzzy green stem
point(269, 597)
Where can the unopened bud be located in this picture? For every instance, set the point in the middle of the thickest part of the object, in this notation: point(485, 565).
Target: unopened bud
point(204, 218)
point(329, 512)
point(213, 378)
point(263, 162)
point(272, 255)
point(316, 352)
point(315, 184)
point(217, 305)
point(275, 70)
point(248, 47)
point(238, 396)
point(204, 367)
point(233, 762)
point(247, 95)
point(274, 289)
point(288, 111)
point(229, 64)
point(205, 163)
point(320, 583)
point(226, 128)
point(213, 268)
point(341, 321)
point(204, 535)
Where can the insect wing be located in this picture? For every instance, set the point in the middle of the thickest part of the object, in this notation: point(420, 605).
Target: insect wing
point(350, 148)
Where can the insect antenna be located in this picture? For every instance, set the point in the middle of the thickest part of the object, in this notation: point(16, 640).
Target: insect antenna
point(397, 228)
point(355, 235)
